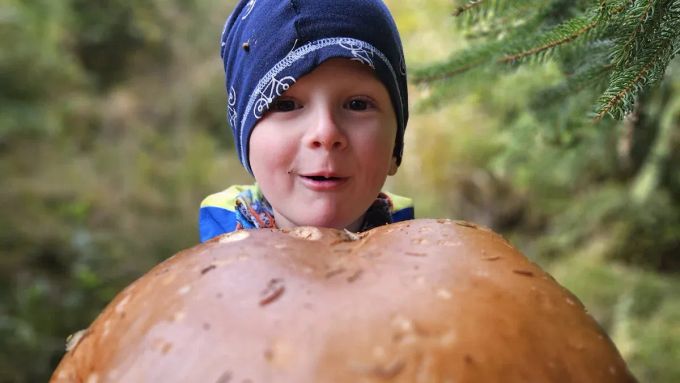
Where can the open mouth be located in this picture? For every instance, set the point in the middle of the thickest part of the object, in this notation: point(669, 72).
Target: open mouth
point(322, 178)
point(324, 183)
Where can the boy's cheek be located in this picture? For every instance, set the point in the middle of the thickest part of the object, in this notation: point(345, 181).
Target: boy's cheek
point(271, 151)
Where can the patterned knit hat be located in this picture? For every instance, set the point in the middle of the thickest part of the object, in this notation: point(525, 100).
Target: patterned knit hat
point(268, 44)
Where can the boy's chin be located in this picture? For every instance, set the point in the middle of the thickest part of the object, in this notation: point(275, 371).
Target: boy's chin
point(333, 220)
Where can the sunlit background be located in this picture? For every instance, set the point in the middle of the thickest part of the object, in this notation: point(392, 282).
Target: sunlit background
point(112, 130)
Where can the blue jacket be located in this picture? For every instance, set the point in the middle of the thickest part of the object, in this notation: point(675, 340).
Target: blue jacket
point(217, 214)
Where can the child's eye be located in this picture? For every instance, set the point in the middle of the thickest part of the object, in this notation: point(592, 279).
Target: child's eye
point(284, 105)
point(359, 104)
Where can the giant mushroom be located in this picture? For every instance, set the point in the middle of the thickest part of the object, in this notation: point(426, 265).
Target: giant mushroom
point(417, 301)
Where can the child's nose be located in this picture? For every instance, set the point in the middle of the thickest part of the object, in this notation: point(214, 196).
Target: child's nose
point(326, 131)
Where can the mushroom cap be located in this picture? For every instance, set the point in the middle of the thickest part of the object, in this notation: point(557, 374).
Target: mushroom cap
point(417, 301)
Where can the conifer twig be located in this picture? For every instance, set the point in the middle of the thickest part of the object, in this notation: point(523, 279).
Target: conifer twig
point(549, 45)
point(448, 74)
point(661, 55)
point(508, 58)
point(638, 29)
point(623, 92)
point(643, 17)
point(615, 11)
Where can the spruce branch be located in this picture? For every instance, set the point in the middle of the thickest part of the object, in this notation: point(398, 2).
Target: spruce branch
point(502, 25)
point(626, 91)
point(626, 82)
point(649, 6)
point(449, 73)
point(633, 24)
point(622, 46)
point(473, 57)
point(555, 38)
point(477, 55)
point(612, 8)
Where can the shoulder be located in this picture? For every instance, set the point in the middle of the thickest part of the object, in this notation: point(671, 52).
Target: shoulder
point(226, 199)
point(402, 207)
point(217, 214)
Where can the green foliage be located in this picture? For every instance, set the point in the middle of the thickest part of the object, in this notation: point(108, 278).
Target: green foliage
point(112, 129)
point(550, 153)
point(640, 310)
point(629, 43)
point(37, 33)
point(112, 33)
point(111, 132)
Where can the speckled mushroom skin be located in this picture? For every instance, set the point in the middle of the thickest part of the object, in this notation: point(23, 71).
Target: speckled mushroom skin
point(417, 301)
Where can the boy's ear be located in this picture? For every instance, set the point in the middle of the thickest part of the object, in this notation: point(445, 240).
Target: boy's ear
point(393, 167)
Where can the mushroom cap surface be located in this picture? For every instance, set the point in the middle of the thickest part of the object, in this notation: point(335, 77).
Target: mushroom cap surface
point(418, 301)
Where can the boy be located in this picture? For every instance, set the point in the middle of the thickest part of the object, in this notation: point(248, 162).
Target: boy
point(317, 103)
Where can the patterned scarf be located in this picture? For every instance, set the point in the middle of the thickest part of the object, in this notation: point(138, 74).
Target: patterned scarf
point(255, 212)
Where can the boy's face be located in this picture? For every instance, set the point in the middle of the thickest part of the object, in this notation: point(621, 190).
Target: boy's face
point(324, 149)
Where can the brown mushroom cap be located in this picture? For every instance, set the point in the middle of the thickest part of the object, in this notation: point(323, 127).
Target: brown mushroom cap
point(417, 301)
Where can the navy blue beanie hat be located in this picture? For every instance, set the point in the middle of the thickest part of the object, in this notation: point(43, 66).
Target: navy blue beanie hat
point(268, 44)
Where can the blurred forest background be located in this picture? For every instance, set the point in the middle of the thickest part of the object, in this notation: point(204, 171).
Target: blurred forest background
point(112, 130)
